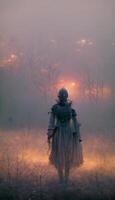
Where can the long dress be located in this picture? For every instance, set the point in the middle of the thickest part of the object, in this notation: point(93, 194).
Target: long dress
point(66, 149)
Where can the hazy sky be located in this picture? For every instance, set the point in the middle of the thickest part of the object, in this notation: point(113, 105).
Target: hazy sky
point(50, 17)
point(52, 28)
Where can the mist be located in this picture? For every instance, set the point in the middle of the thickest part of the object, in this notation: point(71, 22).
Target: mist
point(46, 45)
point(46, 33)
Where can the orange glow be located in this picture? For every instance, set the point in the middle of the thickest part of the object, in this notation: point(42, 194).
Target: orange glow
point(10, 60)
point(70, 85)
point(74, 88)
point(32, 149)
point(73, 84)
point(89, 164)
point(100, 91)
point(107, 91)
point(33, 156)
point(98, 162)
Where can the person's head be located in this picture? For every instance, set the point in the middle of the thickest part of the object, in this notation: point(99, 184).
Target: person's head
point(63, 95)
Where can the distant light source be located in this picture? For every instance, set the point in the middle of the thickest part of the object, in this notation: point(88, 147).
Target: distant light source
point(13, 56)
point(70, 85)
point(83, 41)
point(73, 83)
point(101, 92)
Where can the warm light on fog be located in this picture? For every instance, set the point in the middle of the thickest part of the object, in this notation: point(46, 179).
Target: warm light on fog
point(70, 85)
point(32, 156)
point(107, 91)
point(9, 60)
point(101, 92)
point(20, 144)
point(13, 56)
point(84, 42)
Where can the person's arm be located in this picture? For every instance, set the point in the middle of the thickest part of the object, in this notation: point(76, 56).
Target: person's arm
point(51, 124)
point(76, 125)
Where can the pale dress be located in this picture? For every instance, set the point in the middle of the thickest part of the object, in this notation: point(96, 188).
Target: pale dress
point(66, 150)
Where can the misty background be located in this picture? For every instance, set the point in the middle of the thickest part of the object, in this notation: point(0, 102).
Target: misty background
point(43, 41)
point(46, 45)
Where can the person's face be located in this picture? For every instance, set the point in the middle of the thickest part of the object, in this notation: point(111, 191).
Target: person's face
point(63, 98)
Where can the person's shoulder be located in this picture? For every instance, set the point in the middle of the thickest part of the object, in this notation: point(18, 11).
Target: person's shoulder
point(54, 107)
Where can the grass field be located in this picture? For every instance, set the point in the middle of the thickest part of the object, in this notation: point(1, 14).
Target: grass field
point(25, 173)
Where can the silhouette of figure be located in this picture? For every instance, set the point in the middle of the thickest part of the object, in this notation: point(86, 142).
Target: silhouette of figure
point(64, 137)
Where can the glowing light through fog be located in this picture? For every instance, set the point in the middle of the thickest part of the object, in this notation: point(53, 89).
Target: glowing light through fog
point(97, 163)
point(101, 92)
point(7, 61)
point(84, 42)
point(71, 85)
point(107, 91)
point(32, 156)
point(32, 149)
point(13, 56)
point(75, 89)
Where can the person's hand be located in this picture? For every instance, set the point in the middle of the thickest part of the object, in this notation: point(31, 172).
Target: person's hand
point(74, 134)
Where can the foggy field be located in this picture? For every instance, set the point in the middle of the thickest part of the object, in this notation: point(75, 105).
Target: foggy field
point(26, 174)
point(46, 45)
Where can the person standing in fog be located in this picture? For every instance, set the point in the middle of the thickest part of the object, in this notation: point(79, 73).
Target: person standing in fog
point(64, 137)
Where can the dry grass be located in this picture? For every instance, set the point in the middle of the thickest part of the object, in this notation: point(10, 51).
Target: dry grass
point(26, 175)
